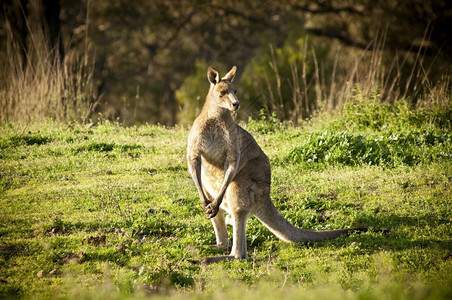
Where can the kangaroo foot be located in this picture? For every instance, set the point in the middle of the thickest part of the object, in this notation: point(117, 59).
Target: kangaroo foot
point(215, 259)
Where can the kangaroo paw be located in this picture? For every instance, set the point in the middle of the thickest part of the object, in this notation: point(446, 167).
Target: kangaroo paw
point(211, 210)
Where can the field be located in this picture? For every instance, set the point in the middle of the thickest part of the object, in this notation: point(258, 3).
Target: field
point(110, 212)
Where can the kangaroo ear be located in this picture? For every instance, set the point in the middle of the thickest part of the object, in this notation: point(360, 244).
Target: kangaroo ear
point(213, 75)
point(230, 75)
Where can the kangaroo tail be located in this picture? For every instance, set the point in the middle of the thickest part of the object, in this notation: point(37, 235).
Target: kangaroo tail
point(284, 230)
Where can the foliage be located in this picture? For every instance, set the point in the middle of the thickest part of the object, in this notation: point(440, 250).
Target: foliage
point(192, 93)
point(105, 211)
point(134, 62)
point(369, 112)
point(389, 148)
point(286, 79)
point(264, 124)
point(374, 133)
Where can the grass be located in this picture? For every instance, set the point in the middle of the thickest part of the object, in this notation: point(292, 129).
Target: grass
point(110, 212)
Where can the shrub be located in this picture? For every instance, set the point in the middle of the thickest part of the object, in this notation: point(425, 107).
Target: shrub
point(368, 112)
point(264, 124)
point(389, 148)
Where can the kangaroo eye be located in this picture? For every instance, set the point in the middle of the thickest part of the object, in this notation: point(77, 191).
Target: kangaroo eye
point(222, 94)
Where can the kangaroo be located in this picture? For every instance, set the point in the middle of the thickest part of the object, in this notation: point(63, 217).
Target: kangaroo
point(232, 173)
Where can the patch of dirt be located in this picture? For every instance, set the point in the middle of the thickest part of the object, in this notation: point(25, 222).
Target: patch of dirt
point(8, 251)
point(96, 240)
point(72, 258)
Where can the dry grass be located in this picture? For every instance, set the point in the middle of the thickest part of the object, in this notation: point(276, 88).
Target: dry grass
point(42, 85)
point(404, 76)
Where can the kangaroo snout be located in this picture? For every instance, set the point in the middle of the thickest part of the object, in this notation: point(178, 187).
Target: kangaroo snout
point(235, 103)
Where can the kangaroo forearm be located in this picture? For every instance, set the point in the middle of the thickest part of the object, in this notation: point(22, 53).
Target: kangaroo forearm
point(231, 171)
point(195, 171)
point(222, 191)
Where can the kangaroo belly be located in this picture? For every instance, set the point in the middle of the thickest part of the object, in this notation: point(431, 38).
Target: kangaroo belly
point(211, 178)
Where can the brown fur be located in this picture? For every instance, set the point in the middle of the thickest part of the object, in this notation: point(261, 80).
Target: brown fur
point(232, 173)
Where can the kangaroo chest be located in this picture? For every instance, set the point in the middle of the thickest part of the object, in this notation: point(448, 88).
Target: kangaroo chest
point(216, 142)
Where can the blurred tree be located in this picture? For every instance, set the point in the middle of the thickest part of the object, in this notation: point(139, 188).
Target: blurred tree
point(14, 25)
point(21, 16)
point(145, 51)
point(51, 13)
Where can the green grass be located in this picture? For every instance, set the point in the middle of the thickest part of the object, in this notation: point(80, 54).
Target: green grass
point(110, 212)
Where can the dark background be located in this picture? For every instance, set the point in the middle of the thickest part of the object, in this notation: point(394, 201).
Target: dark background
point(149, 57)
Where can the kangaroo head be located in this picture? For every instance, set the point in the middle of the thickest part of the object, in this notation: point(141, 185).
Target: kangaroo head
point(222, 90)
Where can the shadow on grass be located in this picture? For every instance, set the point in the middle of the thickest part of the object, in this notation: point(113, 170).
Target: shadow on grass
point(389, 233)
point(397, 238)
point(390, 221)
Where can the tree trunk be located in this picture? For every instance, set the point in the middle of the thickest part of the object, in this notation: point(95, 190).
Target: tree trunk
point(52, 26)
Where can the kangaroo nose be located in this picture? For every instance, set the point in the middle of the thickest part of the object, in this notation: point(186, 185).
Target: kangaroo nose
point(233, 102)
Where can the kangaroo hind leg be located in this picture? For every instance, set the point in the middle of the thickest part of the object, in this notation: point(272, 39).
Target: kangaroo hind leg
point(239, 235)
point(241, 201)
point(221, 233)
